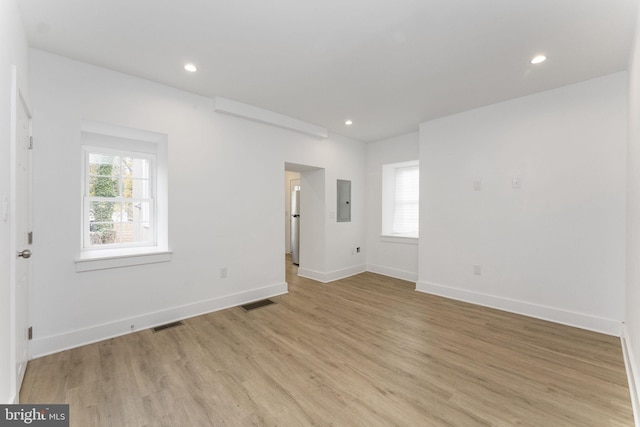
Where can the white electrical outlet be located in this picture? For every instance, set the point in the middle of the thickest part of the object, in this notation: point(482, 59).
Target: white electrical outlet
point(223, 272)
point(477, 270)
point(477, 185)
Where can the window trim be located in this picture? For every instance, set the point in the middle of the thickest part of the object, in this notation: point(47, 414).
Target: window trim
point(123, 139)
point(123, 257)
point(406, 240)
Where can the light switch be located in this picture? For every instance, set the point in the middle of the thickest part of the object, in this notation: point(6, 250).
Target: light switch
point(477, 270)
point(477, 185)
point(516, 182)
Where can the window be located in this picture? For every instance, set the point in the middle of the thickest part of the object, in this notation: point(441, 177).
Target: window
point(401, 199)
point(124, 197)
point(119, 199)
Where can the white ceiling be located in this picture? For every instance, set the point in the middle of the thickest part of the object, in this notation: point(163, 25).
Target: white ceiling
point(386, 65)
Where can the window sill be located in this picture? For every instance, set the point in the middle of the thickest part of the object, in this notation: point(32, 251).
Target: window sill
point(115, 258)
point(397, 238)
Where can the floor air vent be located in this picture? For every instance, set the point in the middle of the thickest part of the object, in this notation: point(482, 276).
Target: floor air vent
point(257, 304)
point(166, 326)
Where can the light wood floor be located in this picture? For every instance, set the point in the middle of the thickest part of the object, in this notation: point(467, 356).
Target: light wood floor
point(364, 351)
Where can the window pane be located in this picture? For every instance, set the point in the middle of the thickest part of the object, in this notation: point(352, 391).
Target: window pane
point(120, 222)
point(101, 159)
point(127, 166)
point(137, 168)
point(407, 180)
point(102, 233)
point(135, 232)
point(103, 211)
point(103, 164)
point(136, 188)
point(103, 186)
point(407, 197)
point(406, 218)
point(120, 213)
point(141, 212)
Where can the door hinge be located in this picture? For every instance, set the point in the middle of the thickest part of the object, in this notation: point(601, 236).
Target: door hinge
point(30, 332)
point(30, 238)
point(30, 143)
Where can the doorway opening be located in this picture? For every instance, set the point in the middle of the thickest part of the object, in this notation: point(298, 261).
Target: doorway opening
point(304, 188)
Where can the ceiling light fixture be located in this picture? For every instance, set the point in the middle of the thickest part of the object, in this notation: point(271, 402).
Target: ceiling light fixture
point(191, 68)
point(538, 59)
point(348, 123)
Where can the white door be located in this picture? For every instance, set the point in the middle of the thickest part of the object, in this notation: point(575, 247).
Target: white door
point(23, 238)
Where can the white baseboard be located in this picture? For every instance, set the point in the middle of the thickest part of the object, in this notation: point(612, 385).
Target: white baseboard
point(633, 373)
point(552, 314)
point(56, 343)
point(392, 272)
point(331, 275)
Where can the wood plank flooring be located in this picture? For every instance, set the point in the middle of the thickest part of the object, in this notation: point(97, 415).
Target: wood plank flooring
point(363, 351)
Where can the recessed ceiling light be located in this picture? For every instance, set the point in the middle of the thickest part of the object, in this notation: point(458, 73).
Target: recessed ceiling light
point(190, 67)
point(348, 123)
point(538, 59)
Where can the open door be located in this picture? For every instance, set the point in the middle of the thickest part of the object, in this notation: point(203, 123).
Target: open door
point(295, 221)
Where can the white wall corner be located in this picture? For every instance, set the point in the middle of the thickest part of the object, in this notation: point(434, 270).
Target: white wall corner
point(393, 272)
point(42, 346)
point(633, 373)
point(256, 114)
point(551, 314)
point(331, 276)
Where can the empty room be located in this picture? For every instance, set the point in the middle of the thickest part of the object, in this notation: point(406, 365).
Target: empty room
point(346, 213)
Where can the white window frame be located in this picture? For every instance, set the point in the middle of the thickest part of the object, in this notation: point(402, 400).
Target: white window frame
point(139, 143)
point(87, 199)
point(389, 172)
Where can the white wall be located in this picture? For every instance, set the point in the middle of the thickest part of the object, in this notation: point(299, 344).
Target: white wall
point(313, 250)
point(631, 335)
point(391, 257)
point(317, 260)
point(342, 260)
point(552, 249)
point(13, 51)
point(225, 205)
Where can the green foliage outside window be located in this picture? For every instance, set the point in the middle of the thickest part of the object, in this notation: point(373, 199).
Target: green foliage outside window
point(103, 185)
